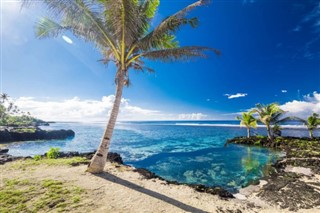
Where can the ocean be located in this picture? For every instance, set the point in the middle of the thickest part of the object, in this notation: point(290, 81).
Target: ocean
point(183, 151)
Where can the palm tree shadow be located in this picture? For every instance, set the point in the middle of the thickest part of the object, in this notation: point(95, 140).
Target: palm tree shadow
point(130, 185)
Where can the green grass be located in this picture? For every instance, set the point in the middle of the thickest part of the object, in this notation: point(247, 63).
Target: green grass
point(22, 164)
point(26, 195)
point(25, 130)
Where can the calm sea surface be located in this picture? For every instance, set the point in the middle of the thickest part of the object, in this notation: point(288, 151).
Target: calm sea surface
point(191, 152)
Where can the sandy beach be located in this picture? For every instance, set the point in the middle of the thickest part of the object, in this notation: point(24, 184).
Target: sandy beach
point(120, 189)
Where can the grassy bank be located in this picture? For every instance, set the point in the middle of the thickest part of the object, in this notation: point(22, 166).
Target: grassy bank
point(26, 194)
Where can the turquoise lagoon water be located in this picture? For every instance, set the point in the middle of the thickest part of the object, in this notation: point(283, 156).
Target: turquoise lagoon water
point(190, 152)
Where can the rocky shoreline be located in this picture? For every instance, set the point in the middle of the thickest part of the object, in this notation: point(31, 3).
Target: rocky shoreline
point(116, 158)
point(16, 134)
point(293, 183)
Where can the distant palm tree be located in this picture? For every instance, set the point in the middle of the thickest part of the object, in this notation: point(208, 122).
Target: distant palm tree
point(248, 121)
point(268, 115)
point(122, 31)
point(312, 123)
point(276, 130)
point(3, 97)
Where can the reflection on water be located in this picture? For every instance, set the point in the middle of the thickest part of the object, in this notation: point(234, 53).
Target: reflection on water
point(185, 153)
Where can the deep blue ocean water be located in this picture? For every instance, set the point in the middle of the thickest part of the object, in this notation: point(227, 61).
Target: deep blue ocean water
point(191, 152)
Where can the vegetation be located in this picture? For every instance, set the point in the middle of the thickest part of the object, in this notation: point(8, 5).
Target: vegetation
point(248, 121)
point(271, 115)
point(294, 147)
point(24, 164)
point(268, 115)
point(312, 123)
point(24, 195)
point(53, 153)
point(37, 157)
point(123, 33)
point(11, 115)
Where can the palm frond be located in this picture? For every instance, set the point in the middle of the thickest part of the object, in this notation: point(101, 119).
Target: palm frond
point(149, 7)
point(83, 18)
point(47, 27)
point(153, 40)
point(174, 54)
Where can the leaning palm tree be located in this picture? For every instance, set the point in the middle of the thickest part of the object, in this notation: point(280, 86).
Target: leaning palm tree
point(312, 123)
point(268, 115)
point(248, 121)
point(121, 30)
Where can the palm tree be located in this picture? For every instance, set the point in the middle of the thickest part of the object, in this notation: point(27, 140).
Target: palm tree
point(268, 115)
point(312, 123)
point(276, 129)
point(3, 97)
point(248, 121)
point(121, 30)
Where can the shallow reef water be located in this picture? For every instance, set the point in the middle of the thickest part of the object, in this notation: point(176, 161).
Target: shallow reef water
point(189, 152)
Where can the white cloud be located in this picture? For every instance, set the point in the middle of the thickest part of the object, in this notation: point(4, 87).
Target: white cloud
point(76, 109)
point(305, 108)
point(238, 95)
point(284, 91)
point(192, 116)
point(67, 39)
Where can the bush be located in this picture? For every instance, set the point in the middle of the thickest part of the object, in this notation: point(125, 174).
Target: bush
point(53, 153)
point(37, 157)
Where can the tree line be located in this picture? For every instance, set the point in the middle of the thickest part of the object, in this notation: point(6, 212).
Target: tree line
point(271, 115)
point(12, 116)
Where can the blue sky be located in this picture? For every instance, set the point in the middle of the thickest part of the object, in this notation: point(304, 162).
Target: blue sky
point(270, 53)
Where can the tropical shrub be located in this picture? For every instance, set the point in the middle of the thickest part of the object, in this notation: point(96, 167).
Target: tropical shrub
point(53, 153)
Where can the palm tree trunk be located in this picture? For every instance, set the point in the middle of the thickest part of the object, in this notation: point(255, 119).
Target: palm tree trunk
point(270, 136)
point(99, 159)
point(311, 134)
point(248, 132)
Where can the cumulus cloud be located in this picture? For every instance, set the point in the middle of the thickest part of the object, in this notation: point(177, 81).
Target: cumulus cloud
point(192, 116)
point(310, 104)
point(237, 95)
point(67, 39)
point(76, 109)
point(284, 91)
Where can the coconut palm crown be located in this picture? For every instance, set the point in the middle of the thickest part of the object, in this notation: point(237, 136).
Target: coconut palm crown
point(248, 121)
point(121, 31)
point(312, 123)
point(268, 115)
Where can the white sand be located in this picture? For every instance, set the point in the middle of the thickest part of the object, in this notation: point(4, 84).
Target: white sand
point(120, 189)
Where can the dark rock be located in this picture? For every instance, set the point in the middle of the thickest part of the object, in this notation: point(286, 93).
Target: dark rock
point(288, 191)
point(4, 158)
point(146, 173)
point(5, 136)
point(55, 202)
point(212, 190)
point(3, 151)
point(68, 154)
point(114, 158)
point(17, 134)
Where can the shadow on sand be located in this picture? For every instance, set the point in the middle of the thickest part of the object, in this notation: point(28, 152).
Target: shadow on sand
point(130, 185)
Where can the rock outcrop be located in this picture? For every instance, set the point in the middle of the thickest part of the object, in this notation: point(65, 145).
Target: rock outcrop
point(29, 134)
point(291, 183)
